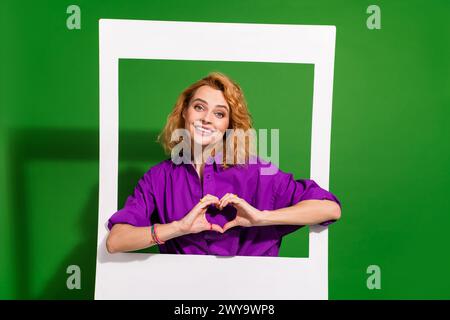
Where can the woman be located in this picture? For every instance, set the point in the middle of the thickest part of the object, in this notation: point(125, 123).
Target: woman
point(217, 205)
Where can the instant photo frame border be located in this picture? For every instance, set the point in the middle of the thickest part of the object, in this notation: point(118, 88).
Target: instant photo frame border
point(176, 277)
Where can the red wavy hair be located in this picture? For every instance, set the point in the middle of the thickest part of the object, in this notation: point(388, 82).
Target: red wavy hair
point(240, 117)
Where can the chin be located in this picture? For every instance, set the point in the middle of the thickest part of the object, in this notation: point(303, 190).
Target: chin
point(203, 141)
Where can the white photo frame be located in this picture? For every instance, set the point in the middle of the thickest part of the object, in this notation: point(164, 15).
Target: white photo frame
point(176, 277)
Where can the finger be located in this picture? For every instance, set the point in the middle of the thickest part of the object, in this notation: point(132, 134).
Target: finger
point(224, 203)
point(211, 196)
point(226, 195)
point(206, 203)
point(225, 198)
point(217, 201)
point(230, 199)
point(207, 197)
point(217, 228)
point(229, 225)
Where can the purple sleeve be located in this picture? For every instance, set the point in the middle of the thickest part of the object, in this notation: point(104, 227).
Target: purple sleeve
point(138, 207)
point(290, 191)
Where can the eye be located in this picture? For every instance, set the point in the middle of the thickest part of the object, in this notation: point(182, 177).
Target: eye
point(220, 115)
point(198, 107)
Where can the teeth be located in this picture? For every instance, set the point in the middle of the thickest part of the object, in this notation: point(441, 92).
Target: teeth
point(203, 129)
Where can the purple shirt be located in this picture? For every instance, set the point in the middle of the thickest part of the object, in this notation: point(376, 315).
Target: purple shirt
point(168, 191)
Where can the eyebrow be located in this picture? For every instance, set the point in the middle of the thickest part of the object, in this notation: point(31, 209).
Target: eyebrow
point(219, 105)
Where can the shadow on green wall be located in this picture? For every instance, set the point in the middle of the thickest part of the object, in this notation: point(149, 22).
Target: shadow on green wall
point(69, 145)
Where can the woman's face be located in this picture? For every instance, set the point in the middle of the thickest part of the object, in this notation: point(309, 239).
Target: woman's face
point(207, 116)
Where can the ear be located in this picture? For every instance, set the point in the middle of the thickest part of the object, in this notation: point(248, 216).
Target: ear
point(183, 113)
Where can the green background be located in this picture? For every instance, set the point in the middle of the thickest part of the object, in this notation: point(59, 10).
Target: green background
point(389, 147)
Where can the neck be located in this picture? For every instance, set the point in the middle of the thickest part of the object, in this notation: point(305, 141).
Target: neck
point(200, 159)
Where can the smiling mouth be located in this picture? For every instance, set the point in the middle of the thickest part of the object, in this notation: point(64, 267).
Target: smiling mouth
point(203, 131)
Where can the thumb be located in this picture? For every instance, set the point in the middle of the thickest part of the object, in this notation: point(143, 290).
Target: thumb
point(229, 225)
point(217, 228)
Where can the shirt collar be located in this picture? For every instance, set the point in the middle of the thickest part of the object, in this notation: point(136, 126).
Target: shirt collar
point(217, 161)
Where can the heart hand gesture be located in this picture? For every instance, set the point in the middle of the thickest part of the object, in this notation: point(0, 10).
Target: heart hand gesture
point(195, 221)
point(246, 216)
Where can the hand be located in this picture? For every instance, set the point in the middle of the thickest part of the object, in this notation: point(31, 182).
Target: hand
point(246, 216)
point(195, 221)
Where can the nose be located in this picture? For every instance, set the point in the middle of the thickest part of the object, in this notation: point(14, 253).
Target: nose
point(208, 117)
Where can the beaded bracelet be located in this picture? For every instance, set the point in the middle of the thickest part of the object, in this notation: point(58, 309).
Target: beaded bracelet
point(155, 237)
point(152, 230)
